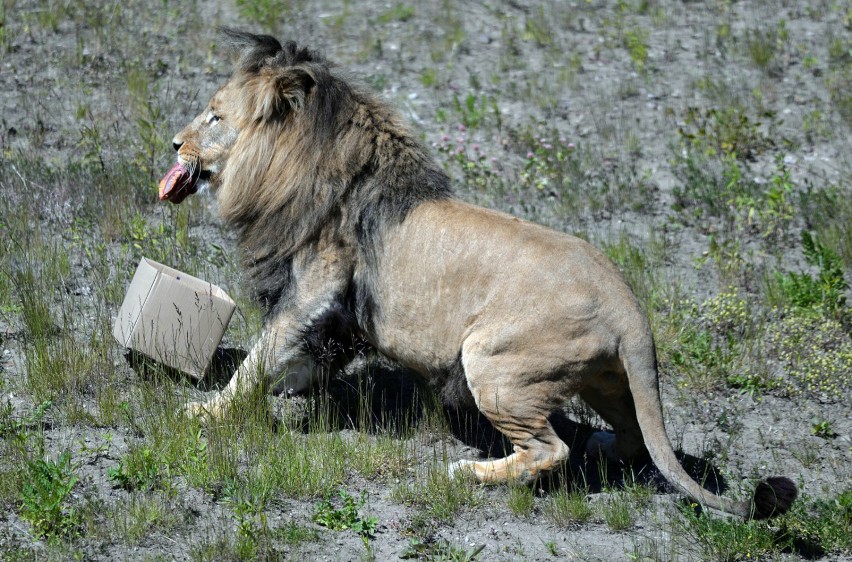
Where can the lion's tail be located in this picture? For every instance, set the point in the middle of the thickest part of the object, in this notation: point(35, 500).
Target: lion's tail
point(772, 496)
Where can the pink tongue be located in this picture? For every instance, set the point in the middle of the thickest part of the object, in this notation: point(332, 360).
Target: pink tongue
point(174, 182)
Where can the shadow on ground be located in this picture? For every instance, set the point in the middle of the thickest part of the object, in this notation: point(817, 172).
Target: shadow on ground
point(380, 395)
point(375, 395)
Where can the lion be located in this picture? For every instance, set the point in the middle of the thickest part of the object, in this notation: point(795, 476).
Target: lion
point(350, 232)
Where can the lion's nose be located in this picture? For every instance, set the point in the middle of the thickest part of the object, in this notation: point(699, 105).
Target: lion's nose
point(177, 144)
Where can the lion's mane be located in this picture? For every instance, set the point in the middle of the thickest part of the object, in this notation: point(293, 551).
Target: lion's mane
point(316, 152)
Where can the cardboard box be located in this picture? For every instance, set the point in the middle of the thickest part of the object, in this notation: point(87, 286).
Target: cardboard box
point(172, 317)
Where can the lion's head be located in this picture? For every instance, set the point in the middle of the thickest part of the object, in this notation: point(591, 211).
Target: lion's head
point(290, 146)
point(239, 135)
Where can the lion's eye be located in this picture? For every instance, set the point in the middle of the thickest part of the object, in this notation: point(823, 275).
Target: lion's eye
point(212, 118)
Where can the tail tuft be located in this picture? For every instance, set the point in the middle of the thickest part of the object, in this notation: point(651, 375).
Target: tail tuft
point(773, 497)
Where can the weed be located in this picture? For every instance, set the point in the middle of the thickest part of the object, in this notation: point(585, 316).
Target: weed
point(762, 46)
point(439, 551)
point(249, 513)
point(826, 291)
point(726, 131)
point(45, 492)
point(812, 529)
point(267, 13)
point(347, 516)
point(137, 517)
point(815, 527)
point(537, 28)
point(437, 496)
point(704, 360)
point(294, 534)
point(568, 507)
point(815, 352)
point(141, 469)
point(521, 500)
point(558, 168)
point(616, 512)
point(636, 43)
point(725, 539)
point(816, 126)
point(822, 428)
point(475, 111)
point(551, 548)
point(18, 428)
point(753, 384)
point(806, 453)
point(552, 165)
point(429, 77)
point(829, 211)
point(451, 32)
point(150, 120)
point(399, 12)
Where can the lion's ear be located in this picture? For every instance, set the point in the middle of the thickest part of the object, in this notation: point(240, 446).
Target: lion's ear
point(281, 90)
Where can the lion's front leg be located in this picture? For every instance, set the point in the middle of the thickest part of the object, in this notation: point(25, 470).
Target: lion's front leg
point(273, 355)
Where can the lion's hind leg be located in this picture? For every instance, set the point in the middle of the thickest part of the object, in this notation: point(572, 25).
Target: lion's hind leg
point(533, 454)
point(614, 403)
point(520, 411)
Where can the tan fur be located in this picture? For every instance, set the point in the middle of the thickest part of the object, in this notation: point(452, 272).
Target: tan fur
point(347, 226)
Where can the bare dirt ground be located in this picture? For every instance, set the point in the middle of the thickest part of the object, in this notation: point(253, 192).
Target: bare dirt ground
point(691, 140)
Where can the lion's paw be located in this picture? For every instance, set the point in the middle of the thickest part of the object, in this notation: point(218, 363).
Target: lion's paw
point(461, 469)
point(602, 444)
point(197, 410)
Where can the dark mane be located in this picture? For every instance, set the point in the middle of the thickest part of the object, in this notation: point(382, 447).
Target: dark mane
point(336, 159)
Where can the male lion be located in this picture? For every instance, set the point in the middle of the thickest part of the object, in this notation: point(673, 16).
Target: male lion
point(350, 232)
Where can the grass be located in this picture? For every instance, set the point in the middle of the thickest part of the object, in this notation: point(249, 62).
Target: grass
point(436, 497)
point(520, 500)
point(811, 529)
point(568, 508)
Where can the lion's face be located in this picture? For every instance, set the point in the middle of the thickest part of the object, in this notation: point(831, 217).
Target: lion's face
point(202, 148)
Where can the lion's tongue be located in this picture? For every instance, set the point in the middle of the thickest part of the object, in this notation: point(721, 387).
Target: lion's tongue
point(176, 184)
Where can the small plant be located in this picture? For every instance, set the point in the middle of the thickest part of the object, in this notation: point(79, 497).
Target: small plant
point(554, 166)
point(475, 111)
point(267, 13)
point(725, 539)
point(819, 526)
point(827, 290)
point(762, 46)
point(537, 29)
point(723, 131)
point(521, 500)
point(347, 516)
point(400, 12)
point(568, 507)
point(437, 496)
point(551, 548)
point(294, 534)
point(141, 469)
point(44, 496)
point(478, 170)
point(822, 428)
point(752, 384)
point(444, 551)
point(17, 428)
point(616, 512)
point(251, 519)
point(636, 43)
